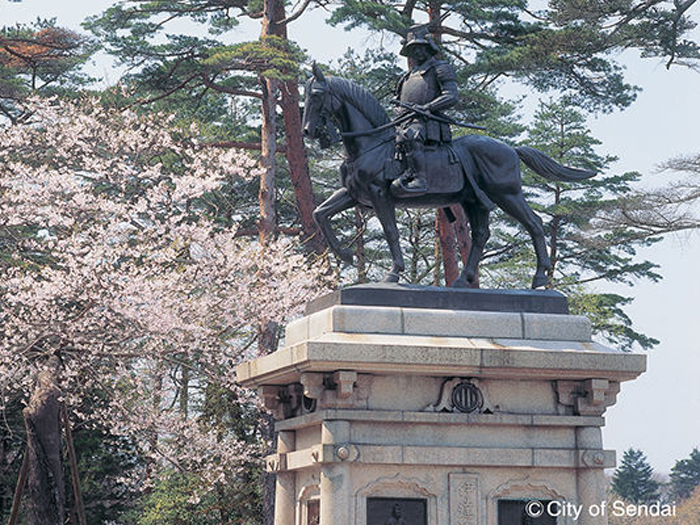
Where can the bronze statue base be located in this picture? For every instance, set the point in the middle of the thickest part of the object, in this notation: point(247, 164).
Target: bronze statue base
point(437, 298)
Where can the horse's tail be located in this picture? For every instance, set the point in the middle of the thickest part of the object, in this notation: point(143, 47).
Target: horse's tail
point(549, 168)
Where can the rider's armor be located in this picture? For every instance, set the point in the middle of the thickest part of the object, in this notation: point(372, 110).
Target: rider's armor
point(432, 86)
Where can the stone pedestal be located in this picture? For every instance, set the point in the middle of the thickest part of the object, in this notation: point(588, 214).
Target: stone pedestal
point(438, 417)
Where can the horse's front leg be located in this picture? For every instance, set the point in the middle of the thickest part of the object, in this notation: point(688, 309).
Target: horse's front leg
point(339, 201)
point(385, 210)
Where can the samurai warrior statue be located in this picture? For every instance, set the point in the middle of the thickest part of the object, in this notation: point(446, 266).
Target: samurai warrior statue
point(429, 87)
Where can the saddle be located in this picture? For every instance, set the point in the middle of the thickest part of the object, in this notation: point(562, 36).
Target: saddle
point(449, 170)
point(444, 173)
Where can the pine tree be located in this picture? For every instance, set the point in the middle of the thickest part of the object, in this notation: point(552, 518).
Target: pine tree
point(189, 68)
point(633, 480)
point(39, 59)
point(685, 475)
point(561, 46)
point(584, 248)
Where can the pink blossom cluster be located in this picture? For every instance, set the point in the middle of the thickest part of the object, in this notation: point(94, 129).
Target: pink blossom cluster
point(106, 264)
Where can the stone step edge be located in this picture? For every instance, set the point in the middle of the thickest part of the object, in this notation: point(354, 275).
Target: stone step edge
point(318, 455)
point(437, 323)
point(445, 418)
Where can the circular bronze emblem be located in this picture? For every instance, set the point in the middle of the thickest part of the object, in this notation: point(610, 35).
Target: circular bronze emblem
point(466, 397)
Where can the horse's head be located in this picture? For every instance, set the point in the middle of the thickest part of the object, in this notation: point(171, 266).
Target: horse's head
point(318, 109)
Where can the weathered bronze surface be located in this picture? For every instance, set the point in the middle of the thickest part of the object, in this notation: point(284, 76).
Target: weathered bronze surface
point(474, 171)
point(422, 94)
point(438, 298)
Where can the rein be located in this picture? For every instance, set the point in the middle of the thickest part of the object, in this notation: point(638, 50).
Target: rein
point(326, 111)
point(363, 153)
point(326, 114)
point(372, 131)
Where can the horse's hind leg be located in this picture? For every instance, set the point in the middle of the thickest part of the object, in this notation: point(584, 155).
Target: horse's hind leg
point(339, 201)
point(516, 206)
point(384, 208)
point(479, 226)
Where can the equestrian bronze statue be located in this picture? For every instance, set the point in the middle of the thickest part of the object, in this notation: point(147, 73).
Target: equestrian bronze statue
point(412, 161)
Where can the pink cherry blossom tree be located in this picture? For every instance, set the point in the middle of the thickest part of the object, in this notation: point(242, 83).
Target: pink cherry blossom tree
point(115, 281)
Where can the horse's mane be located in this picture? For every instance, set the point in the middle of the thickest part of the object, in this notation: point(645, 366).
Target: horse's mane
point(359, 97)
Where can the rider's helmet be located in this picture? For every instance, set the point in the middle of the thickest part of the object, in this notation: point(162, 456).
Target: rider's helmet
point(419, 35)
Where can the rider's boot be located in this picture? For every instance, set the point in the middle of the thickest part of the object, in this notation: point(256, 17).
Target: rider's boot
point(414, 183)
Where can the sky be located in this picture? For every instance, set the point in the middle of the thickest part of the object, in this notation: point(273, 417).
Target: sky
point(658, 413)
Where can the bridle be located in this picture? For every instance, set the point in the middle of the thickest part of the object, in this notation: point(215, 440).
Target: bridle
point(326, 134)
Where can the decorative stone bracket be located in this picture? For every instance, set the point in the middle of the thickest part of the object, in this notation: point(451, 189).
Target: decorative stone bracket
point(341, 389)
point(286, 401)
point(344, 452)
point(276, 463)
point(270, 395)
point(587, 398)
point(342, 382)
point(596, 459)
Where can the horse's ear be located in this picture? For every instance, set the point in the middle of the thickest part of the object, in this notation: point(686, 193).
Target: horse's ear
point(318, 74)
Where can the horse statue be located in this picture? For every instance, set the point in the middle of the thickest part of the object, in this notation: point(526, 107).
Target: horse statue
point(475, 171)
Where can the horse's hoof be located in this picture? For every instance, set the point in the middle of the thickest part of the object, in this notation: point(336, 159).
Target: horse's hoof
point(540, 281)
point(391, 277)
point(460, 282)
point(346, 255)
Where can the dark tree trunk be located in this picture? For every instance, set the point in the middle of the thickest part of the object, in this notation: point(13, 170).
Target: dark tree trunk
point(19, 489)
point(45, 486)
point(361, 261)
point(295, 150)
point(268, 146)
point(268, 337)
point(299, 167)
point(268, 215)
point(446, 235)
point(184, 399)
point(4, 487)
point(266, 195)
point(438, 253)
point(464, 239)
point(269, 479)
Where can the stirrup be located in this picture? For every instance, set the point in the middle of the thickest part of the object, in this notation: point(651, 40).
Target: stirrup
point(399, 189)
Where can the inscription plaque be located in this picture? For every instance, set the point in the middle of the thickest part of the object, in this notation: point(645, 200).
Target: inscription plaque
point(397, 511)
point(464, 499)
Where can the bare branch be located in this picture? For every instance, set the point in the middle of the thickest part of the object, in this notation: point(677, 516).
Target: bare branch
point(230, 91)
point(255, 146)
point(295, 15)
point(166, 94)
